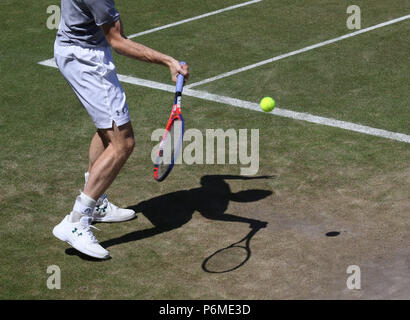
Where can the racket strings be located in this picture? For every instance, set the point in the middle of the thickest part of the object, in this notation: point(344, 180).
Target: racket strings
point(170, 147)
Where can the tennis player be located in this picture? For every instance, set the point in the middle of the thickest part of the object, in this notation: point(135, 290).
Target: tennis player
point(82, 52)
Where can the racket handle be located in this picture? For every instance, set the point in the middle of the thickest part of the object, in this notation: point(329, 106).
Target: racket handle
point(180, 80)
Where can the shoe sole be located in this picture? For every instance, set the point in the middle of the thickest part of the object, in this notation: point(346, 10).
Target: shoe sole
point(60, 235)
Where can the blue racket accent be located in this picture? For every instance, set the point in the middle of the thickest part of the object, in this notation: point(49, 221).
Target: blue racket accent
point(180, 80)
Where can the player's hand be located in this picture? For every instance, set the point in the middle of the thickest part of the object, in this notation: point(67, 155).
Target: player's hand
point(176, 68)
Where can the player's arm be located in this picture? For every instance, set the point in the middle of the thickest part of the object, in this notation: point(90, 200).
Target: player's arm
point(124, 46)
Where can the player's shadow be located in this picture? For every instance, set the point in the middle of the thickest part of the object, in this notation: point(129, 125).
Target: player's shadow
point(172, 210)
point(74, 252)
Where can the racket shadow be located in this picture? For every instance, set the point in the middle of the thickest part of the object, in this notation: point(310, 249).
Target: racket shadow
point(172, 210)
point(233, 256)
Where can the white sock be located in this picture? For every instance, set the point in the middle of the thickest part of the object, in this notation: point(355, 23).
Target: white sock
point(86, 175)
point(84, 205)
point(86, 200)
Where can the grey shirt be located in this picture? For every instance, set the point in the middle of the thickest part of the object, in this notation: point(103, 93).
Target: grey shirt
point(81, 20)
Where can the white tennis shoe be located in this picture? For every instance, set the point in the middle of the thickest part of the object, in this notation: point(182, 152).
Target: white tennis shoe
point(79, 236)
point(105, 211)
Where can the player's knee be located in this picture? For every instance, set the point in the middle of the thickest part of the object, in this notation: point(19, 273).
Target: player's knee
point(123, 143)
point(126, 148)
point(123, 150)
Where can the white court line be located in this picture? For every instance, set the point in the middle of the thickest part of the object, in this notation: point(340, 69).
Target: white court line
point(254, 106)
point(193, 18)
point(318, 45)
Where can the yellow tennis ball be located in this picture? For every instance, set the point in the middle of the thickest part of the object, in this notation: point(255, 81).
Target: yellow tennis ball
point(267, 104)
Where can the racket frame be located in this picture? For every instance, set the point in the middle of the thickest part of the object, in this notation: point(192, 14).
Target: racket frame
point(176, 114)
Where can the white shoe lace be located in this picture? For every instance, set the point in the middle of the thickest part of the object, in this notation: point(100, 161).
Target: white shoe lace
point(105, 203)
point(90, 233)
point(86, 227)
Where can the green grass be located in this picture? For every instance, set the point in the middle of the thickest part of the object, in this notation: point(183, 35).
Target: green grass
point(358, 80)
point(323, 178)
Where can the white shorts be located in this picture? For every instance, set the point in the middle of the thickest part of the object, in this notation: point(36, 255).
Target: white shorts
point(92, 75)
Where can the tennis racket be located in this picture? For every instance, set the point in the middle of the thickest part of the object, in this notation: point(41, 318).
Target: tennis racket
point(171, 143)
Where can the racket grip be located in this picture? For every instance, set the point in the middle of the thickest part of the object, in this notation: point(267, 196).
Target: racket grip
point(180, 80)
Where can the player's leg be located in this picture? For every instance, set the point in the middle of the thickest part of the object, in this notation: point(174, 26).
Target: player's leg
point(104, 211)
point(76, 227)
point(109, 163)
point(97, 147)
